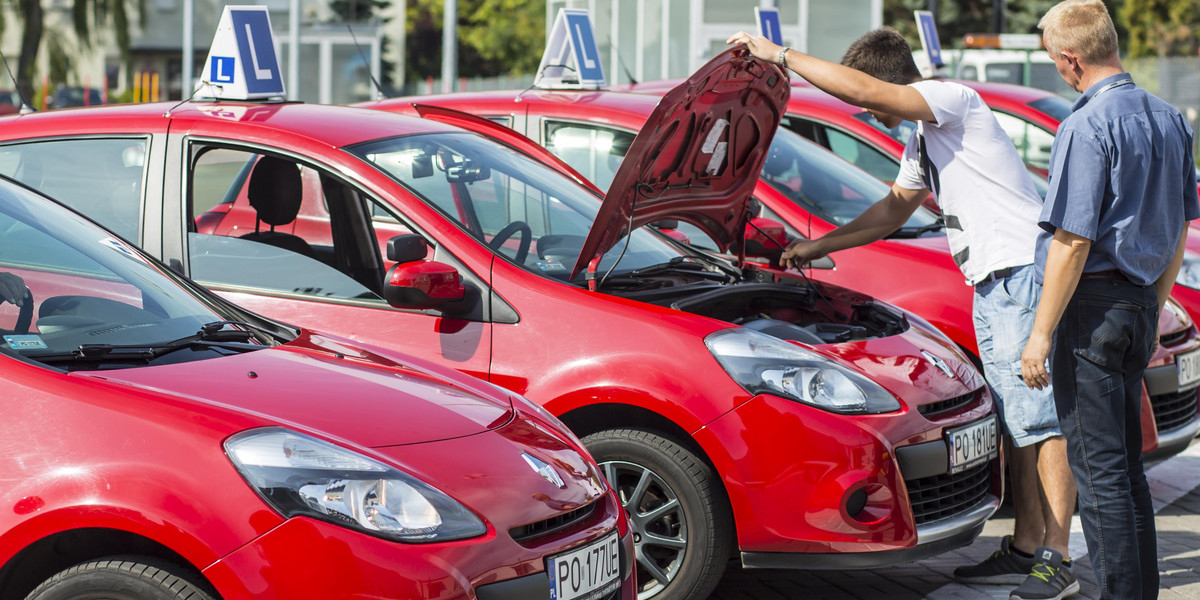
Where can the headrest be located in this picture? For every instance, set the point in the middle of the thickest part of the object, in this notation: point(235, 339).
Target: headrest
point(275, 190)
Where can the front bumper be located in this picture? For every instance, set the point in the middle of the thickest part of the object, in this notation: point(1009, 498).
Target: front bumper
point(812, 489)
point(307, 558)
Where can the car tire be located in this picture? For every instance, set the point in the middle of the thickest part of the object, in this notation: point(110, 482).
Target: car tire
point(681, 522)
point(119, 578)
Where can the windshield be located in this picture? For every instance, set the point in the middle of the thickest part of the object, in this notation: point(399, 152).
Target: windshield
point(525, 211)
point(84, 289)
point(825, 185)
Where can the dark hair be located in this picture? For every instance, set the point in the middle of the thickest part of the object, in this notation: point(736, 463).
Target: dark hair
point(883, 54)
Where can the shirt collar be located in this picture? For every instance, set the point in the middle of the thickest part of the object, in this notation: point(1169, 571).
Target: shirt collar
point(1100, 86)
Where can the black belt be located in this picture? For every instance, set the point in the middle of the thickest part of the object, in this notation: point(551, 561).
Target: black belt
point(1109, 274)
point(997, 274)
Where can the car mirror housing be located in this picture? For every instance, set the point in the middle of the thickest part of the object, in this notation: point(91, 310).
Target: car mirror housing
point(423, 285)
point(765, 238)
point(406, 248)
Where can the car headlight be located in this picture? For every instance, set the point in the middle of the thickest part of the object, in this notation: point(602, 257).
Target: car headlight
point(302, 476)
point(1189, 273)
point(767, 365)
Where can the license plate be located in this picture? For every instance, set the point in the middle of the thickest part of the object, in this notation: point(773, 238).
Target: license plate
point(972, 444)
point(1189, 368)
point(586, 573)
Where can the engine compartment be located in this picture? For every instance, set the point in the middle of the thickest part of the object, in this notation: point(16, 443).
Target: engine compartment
point(809, 313)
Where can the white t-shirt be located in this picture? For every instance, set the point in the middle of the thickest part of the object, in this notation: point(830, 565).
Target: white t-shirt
point(984, 190)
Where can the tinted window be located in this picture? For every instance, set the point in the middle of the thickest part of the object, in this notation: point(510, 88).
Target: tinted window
point(864, 156)
point(1032, 142)
point(900, 132)
point(101, 178)
point(1056, 106)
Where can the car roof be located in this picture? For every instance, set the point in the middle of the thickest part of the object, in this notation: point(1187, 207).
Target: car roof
point(337, 126)
point(610, 106)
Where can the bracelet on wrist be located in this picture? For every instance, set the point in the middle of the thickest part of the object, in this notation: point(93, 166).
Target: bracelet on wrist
point(783, 57)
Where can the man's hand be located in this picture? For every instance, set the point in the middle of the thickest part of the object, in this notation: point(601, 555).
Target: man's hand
point(759, 46)
point(799, 253)
point(12, 288)
point(1033, 361)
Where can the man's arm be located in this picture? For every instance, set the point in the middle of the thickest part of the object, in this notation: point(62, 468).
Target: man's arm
point(1064, 265)
point(879, 220)
point(848, 85)
point(1166, 281)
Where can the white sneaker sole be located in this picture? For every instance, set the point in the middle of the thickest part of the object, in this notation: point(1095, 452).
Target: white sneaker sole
point(1070, 590)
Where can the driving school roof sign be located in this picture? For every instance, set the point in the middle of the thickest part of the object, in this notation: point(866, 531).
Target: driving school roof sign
point(242, 64)
point(571, 59)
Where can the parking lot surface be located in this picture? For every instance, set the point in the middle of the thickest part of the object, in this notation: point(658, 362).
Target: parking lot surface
point(1175, 484)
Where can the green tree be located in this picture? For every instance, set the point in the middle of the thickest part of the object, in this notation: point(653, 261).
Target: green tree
point(88, 18)
point(1162, 27)
point(355, 11)
point(496, 37)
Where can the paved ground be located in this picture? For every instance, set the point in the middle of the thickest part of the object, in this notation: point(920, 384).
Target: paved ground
point(1175, 484)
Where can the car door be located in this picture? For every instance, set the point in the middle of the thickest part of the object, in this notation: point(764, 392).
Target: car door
point(291, 238)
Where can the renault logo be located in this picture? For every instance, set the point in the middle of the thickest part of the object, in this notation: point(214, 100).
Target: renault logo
point(545, 470)
point(939, 363)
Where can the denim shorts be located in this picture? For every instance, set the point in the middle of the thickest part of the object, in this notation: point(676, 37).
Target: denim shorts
point(1003, 313)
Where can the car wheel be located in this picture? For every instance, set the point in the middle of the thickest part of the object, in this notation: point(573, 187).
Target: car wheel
point(118, 578)
point(681, 525)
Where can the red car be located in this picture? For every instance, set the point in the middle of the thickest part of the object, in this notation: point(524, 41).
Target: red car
point(159, 442)
point(732, 409)
point(811, 192)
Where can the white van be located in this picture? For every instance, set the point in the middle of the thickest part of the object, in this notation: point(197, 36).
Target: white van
point(1004, 66)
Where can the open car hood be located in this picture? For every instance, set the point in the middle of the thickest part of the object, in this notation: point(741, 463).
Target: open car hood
point(698, 156)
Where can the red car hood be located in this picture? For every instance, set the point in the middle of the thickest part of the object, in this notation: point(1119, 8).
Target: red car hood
point(698, 156)
point(328, 385)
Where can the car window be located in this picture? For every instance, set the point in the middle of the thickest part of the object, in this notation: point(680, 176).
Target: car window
point(864, 156)
point(901, 132)
point(969, 72)
point(823, 184)
point(87, 290)
point(596, 152)
point(1032, 142)
point(101, 178)
point(501, 197)
point(269, 224)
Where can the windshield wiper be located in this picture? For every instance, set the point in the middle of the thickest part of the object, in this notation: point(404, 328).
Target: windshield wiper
point(915, 232)
point(210, 335)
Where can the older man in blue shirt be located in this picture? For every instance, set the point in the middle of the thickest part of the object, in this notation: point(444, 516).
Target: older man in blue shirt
point(1123, 186)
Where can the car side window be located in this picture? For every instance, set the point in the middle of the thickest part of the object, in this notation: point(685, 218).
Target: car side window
point(866, 157)
point(100, 178)
point(596, 152)
point(1032, 142)
point(267, 223)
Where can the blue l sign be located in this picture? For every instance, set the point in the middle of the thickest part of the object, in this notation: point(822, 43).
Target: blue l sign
point(252, 29)
point(222, 69)
point(769, 24)
point(927, 29)
point(587, 56)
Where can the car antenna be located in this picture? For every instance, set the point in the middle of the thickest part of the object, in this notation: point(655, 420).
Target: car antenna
point(620, 61)
point(25, 107)
point(378, 88)
point(190, 96)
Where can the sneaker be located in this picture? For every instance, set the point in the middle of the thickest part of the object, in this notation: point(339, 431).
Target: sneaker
point(1049, 579)
point(1003, 567)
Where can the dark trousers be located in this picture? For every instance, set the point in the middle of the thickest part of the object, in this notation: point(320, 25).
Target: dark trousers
point(1101, 349)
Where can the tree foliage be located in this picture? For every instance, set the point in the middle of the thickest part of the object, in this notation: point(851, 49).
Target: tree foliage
point(1162, 27)
point(956, 19)
point(496, 37)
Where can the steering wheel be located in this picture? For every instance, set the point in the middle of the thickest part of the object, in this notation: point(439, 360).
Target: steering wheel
point(25, 315)
point(508, 231)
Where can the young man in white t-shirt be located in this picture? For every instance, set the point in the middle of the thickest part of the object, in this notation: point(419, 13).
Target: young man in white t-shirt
point(961, 155)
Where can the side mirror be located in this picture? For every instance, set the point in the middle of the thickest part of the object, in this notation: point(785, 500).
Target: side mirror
point(670, 228)
point(406, 248)
point(765, 238)
point(423, 284)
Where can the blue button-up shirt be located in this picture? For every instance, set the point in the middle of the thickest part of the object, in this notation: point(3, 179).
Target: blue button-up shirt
point(1122, 176)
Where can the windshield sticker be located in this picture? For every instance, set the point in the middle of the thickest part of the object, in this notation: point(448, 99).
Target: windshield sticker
point(712, 146)
point(551, 266)
point(25, 342)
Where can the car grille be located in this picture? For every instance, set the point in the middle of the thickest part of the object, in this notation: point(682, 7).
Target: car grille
point(1174, 410)
point(946, 495)
point(533, 530)
point(937, 408)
